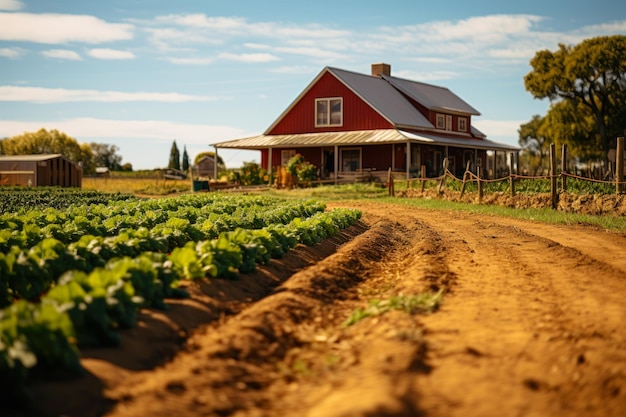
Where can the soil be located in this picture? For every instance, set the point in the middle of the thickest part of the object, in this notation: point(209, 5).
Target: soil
point(531, 324)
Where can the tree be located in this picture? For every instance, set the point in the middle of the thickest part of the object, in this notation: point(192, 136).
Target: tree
point(174, 157)
point(185, 160)
point(105, 155)
point(46, 142)
point(591, 74)
point(532, 137)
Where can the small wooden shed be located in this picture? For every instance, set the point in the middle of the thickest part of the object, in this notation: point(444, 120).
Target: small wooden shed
point(205, 167)
point(39, 171)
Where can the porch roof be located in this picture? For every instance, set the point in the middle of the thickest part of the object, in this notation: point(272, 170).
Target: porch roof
point(360, 137)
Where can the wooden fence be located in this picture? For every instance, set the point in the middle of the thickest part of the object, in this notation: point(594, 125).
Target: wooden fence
point(558, 180)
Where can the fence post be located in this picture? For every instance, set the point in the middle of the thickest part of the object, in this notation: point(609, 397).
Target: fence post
point(443, 178)
point(467, 168)
point(423, 176)
point(564, 167)
point(619, 159)
point(553, 175)
point(390, 182)
point(480, 185)
point(512, 179)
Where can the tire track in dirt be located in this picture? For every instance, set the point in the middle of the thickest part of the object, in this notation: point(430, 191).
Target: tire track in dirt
point(531, 321)
point(531, 325)
point(250, 361)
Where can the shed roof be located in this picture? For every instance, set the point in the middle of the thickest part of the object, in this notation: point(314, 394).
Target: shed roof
point(360, 137)
point(29, 158)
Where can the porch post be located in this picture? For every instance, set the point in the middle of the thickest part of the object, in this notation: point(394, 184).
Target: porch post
point(336, 157)
point(408, 159)
point(269, 165)
point(476, 160)
point(393, 156)
point(495, 164)
point(215, 165)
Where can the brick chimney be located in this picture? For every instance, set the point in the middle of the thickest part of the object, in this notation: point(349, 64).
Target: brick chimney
point(381, 69)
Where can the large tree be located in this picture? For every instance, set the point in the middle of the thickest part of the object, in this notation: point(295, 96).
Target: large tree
point(174, 157)
point(591, 74)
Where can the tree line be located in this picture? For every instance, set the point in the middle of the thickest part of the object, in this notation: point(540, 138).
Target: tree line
point(87, 155)
point(586, 86)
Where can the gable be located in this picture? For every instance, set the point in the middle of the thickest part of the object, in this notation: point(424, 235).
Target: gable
point(300, 116)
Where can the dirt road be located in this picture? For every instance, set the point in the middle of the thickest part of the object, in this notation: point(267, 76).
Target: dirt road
point(532, 324)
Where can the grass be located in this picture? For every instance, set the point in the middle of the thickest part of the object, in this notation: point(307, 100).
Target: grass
point(545, 215)
point(356, 192)
point(420, 303)
point(148, 186)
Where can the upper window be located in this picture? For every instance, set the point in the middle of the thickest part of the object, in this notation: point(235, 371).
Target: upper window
point(441, 121)
point(462, 124)
point(328, 112)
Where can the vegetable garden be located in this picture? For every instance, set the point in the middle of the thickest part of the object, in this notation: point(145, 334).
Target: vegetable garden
point(76, 267)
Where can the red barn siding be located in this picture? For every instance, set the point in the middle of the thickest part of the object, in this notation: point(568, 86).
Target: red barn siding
point(357, 115)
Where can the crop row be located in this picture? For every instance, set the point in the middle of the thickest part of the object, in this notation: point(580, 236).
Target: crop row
point(86, 308)
point(15, 199)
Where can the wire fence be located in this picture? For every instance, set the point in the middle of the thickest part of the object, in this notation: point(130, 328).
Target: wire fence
point(553, 183)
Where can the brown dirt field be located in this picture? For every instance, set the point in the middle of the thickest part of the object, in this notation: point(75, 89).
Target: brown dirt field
point(532, 324)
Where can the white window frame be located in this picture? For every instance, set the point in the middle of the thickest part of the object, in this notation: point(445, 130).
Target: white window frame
point(462, 124)
point(329, 112)
point(448, 122)
point(341, 162)
point(441, 121)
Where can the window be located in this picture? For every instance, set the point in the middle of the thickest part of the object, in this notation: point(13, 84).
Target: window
point(462, 124)
point(448, 122)
point(286, 155)
point(441, 121)
point(328, 112)
point(351, 159)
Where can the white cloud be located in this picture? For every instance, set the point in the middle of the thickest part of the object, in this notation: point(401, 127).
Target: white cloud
point(11, 5)
point(62, 95)
point(499, 129)
point(248, 57)
point(86, 129)
point(106, 53)
point(426, 75)
point(295, 69)
point(191, 61)
point(11, 53)
point(51, 28)
point(62, 54)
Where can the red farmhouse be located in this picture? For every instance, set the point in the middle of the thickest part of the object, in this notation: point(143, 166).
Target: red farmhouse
point(345, 122)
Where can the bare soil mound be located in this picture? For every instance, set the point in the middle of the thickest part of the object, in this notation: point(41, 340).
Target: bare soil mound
point(531, 324)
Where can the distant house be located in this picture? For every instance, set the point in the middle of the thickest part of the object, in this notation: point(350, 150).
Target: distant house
point(205, 167)
point(39, 170)
point(103, 172)
point(346, 122)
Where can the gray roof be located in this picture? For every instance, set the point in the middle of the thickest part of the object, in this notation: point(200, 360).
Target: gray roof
point(431, 96)
point(360, 137)
point(385, 99)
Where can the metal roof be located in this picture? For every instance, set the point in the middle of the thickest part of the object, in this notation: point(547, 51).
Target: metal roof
point(383, 97)
point(359, 137)
point(29, 158)
point(431, 96)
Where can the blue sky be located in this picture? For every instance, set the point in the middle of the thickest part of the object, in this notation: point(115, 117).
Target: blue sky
point(141, 73)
